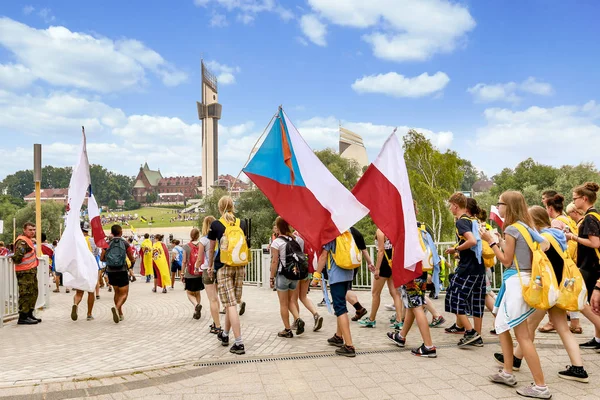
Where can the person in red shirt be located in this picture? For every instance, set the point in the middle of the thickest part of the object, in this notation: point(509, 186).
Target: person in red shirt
point(47, 250)
point(3, 250)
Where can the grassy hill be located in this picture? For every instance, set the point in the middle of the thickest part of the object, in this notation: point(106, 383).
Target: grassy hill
point(160, 216)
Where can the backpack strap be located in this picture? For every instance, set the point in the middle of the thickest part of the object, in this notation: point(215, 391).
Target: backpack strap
point(555, 244)
point(597, 216)
point(526, 235)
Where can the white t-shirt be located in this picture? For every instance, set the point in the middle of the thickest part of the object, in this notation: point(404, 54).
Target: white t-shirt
point(206, 243)
point(279, 245)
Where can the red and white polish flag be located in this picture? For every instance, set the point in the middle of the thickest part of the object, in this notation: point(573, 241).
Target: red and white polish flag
point(96, 222)
point(495, 216)
point(385, 190)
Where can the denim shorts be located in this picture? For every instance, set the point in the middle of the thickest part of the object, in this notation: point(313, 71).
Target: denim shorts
point(283, 284)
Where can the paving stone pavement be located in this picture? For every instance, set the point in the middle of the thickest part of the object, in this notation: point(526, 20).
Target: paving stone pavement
point(151, 355)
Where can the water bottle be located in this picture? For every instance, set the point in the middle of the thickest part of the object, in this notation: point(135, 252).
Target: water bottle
point(536, 293)
point(224, 243)
point(570, 284)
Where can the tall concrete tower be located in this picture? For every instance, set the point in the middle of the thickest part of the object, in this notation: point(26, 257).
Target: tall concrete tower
point(209, 112)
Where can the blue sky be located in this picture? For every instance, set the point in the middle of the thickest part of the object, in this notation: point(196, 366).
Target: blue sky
point(497, 81)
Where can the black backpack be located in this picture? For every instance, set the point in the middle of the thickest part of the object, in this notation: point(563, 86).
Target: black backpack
point(296, 262)
point(116, 254)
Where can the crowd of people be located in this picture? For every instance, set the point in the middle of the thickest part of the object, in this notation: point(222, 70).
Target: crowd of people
point(215, 257)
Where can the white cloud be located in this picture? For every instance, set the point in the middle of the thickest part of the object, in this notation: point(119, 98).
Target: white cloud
point(218, 20)
point(28, 10)
point(72, 59)
point(225, 74)
point(314, 29)
point(535, 87)
point(117, 141)
point(46, 15)
point(246, 19)
point(397, 85)
point(15, 76)
point(248, 9)
point(301, 40)
point(323, 133)
point(402, 30)
point(554, 136)
point(507, 92)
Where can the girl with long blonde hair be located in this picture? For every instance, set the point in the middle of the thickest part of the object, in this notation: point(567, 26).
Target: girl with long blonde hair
point(515, 252)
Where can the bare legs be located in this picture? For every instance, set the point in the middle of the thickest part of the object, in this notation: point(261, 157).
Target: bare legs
point(213, 298)
point(90, 301)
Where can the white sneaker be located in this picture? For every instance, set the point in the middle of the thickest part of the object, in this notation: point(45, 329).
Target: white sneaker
point(390, 307)
point(535, 392)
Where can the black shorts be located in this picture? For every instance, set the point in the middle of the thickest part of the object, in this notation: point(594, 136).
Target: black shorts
point(194, 284)
point(338, 295)
point(175, 267)
point(118, 278)
point(385, 271)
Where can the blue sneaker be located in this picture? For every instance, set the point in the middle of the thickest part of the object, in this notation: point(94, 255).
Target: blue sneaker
point(397, 325)
point(367, 323)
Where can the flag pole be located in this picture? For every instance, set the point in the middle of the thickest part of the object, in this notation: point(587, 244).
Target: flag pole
point(237, 178)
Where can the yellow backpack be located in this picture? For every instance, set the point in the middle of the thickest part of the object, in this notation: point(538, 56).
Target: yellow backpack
point(233, 248)
point(542, 291)
point(573, 293)
point(487, 253)
point(571, 244)
point(346, 254)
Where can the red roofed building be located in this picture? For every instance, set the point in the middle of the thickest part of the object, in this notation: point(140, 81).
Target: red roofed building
point(179, 188)
point(58, 195)
point(227, 182)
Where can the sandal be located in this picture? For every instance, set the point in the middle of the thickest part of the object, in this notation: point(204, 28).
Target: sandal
point(56, 291)
point(214, 329)
point(547, 328)
point(578, 330)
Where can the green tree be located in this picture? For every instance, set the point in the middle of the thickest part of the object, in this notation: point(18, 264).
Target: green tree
point(131, 205)
point(56, 177)
point(433, 176)
point(151, 198)
point(571, 176)
point(254, 205)
point(19, 184)
point(52, 213)
point(112, 204)
point(346, 171)
point(470, 175)
point(210, 204)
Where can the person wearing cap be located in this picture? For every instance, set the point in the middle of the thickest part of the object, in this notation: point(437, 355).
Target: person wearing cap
point(85, 228)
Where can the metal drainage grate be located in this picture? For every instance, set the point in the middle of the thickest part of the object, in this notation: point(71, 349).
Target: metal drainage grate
point(310, 356)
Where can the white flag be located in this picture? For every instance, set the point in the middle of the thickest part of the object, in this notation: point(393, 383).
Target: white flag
point(73, 257)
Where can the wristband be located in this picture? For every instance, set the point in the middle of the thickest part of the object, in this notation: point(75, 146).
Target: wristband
point(493, 244)
point(596, 288)
point(317, 275)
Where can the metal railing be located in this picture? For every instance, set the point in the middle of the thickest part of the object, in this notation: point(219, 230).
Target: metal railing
point(9, 289)
point(364, 277)
point(254, 268)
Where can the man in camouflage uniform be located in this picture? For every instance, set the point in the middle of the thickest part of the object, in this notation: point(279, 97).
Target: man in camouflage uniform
point(26, 264)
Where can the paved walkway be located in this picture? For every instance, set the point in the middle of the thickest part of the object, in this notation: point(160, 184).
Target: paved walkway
point(152, 355)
